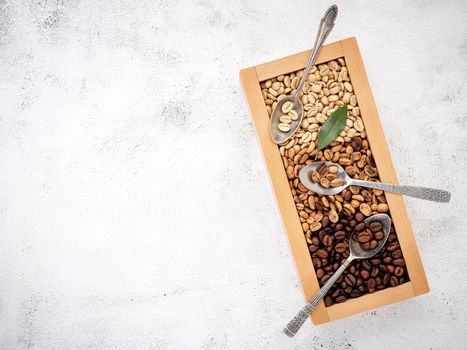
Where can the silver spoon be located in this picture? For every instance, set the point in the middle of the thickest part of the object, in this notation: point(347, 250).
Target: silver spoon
point(356, 252)
point(326, 24)
point(431, 194)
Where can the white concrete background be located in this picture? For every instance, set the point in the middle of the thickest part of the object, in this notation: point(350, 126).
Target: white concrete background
point(135, 208)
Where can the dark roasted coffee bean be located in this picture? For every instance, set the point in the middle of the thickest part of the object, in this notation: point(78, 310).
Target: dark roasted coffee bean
point(327, 240)
point(380, 286)
point(328, 301)
point(356, 143)
point(359, 216)
point(315, 240)
point(340, 299)
point(325, 279)
point(373, 244)
point(375, 226)
point(316, 263)
point(364, 237)
point(359, 281)
point(336, 293)
point(340, 247)
point(387, 260)
point(390, 268)
point(350, 279)
point(313, 248)
point(319, 273)
point(392, 237)
point(386, 278)
point(355, 293)
point(375, 261)
point(352, 269)
point(325, 221)
point(339, 235)
point(378, 235)
point(374, 271)
point(394, 282)
point(399, 262)
point(322, 253)
point(366, 265)
point(364, 274)
point(398, 271)
point(397, 254)
point(360, 227)
point(392, 246)
point(371, 283)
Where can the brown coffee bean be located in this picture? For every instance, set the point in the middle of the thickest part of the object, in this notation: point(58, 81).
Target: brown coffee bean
point(392, 246)
point(399, 262)
point(339, 235)
point(375, 226)
point(336, 293)
point(397, 254)
point(378, 235)
point(374, 271)
point(386, 278)
point(340, 247)
point(364, 237)
point(340, 299)
point(325, 279)
point(322, 253)
point(355, 293)
point(387, 260)
point(350, 279)
point(360, 227)
point(325, 221)
point(375, 261)
point(319, 273)
point(393, 281)
point(356, 143)
point(328, 301)
point(390, 268)
point(364, 274)
point(373, 244)
point(371, 283)
point(399, 271)
point(366, 265)
point(359, 216)
point(327, 240)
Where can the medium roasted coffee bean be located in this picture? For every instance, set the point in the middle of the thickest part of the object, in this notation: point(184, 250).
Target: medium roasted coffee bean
point(386, 278)
point(373, 244)
point(313, 248)
point(328, 301)
point(325, 279)
point(387, 260)
point(366, 265)
point(325, 221)
point(359, 216)
point(378, 235)
point(375, 261)
point(394, 282)
point(336, 293)
point(392, 246)
point(355, 293)
point(371, 283)
point(374, 271)
point(397, 254)
point(319, 273)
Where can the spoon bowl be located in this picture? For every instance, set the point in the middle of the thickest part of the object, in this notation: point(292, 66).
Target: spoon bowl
point(280, 136)
point(307, 170)
point(357, 252)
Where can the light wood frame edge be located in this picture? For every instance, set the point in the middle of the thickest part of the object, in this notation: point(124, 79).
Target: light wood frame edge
point(250, 79)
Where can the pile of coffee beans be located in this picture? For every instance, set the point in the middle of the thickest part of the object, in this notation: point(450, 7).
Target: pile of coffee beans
point(326, 176)
point(369, 235)
point(329, 249)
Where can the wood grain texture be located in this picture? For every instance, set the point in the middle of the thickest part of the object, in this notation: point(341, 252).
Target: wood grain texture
point(250, 80)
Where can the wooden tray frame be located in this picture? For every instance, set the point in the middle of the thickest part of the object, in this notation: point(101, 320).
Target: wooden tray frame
point(250, 80)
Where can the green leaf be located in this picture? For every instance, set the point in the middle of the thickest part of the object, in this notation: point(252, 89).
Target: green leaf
point(332, 127)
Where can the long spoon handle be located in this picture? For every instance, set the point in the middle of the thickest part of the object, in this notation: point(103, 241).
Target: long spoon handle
point(325, 26)
point(430, 194)
point(297, 322)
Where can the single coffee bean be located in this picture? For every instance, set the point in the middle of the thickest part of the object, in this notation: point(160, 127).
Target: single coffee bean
point(359, 216)
point(387, 260)
point(373, 244)
point(390, 268)
point(376, 262)
point(371, 283)
point(366, 265)
point(340, 299)
point(378, 235)
point(394, 282)
point(398, 271)
point(325, 221)
point(340, 235)
point(328, 301)
point(374, 271)
point(386, 278)
point(350, 279)
point(375, 226)
point(364, 237)
point(397, 254)
point(399, 262)
point(322, 253)
point(319, 273)
point(340, 247)
point(336, 293)
point(327, 240)
point(355, 293)
point(364, 274)
point(360, 227)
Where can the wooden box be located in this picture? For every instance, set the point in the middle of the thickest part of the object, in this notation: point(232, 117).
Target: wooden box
point(250, 80)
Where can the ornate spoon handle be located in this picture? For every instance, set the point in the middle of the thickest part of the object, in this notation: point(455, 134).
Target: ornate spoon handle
point(297, 322)
point(430, 194)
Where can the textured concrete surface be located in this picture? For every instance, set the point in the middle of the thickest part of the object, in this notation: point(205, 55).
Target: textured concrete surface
point(135, 209)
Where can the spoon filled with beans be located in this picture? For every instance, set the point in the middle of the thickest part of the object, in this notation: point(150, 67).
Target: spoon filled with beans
point(366, 241)
point(327, 178)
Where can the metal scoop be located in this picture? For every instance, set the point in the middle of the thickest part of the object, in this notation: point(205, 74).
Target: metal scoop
point(326, 24)
point(431, 194)
point(356, 252)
